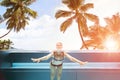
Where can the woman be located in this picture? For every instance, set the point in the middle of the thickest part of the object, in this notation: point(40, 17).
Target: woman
point(57, 61)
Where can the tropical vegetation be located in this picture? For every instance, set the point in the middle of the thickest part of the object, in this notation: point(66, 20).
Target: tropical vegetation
point(17, 14)
point(5, 44)
point(98, 35)
point(78, 12)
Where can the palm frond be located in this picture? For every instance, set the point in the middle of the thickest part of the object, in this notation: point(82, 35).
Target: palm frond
point(78, 3)
point(10, 23)
point(30, 12)
point(6, 3)
point(91, 17)
point(108, 21)
point(113, 24)
point(17, 13)
point(29, 2)
point(66, 24)
point(89, 43)
point(8, 13)
point(87, 6)
point(14, 1)
point(62, 13)
point(66, 2)
point(73, 4)
point(97, 34)
point(94, 43)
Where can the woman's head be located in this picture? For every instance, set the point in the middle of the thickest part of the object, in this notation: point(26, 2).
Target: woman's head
point(59, 45)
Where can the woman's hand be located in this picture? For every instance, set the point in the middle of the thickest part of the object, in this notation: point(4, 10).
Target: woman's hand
point(83, 63)
point(36, 60)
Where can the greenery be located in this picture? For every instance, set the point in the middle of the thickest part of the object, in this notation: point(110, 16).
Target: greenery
point(77, 12)
point(18, 13)
point(5, 44)
point(99, 34)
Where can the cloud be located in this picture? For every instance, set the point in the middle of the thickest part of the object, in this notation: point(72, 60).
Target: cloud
point(36, 33)
point(42, 33)
point(39, 27)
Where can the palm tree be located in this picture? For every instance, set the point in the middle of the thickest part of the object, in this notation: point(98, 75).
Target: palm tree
point(113, 23)
point(5, 44)
point(98, 34)
point(17, 14)
point(77, 12)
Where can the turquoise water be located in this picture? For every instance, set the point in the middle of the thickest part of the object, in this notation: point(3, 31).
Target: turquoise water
point(91, 65)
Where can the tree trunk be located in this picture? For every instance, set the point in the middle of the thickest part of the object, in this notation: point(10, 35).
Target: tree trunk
point(6, 33)
point(79, 29)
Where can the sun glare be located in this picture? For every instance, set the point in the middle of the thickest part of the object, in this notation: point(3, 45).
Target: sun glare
point(111, 44)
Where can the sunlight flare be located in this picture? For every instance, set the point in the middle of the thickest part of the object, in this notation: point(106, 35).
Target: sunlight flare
point(111, 44)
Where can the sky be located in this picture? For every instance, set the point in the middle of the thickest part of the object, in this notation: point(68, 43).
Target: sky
point(43, 32)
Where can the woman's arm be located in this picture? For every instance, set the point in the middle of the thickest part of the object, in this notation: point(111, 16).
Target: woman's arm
point(74, 59)
point(42, 58)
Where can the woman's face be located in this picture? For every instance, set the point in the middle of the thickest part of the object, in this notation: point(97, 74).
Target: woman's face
point(59, 46)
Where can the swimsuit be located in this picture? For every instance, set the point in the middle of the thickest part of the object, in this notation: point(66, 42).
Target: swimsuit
point(58, 57)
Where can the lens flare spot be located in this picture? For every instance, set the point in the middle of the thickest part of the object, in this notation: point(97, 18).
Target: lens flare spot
point(111, 44)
